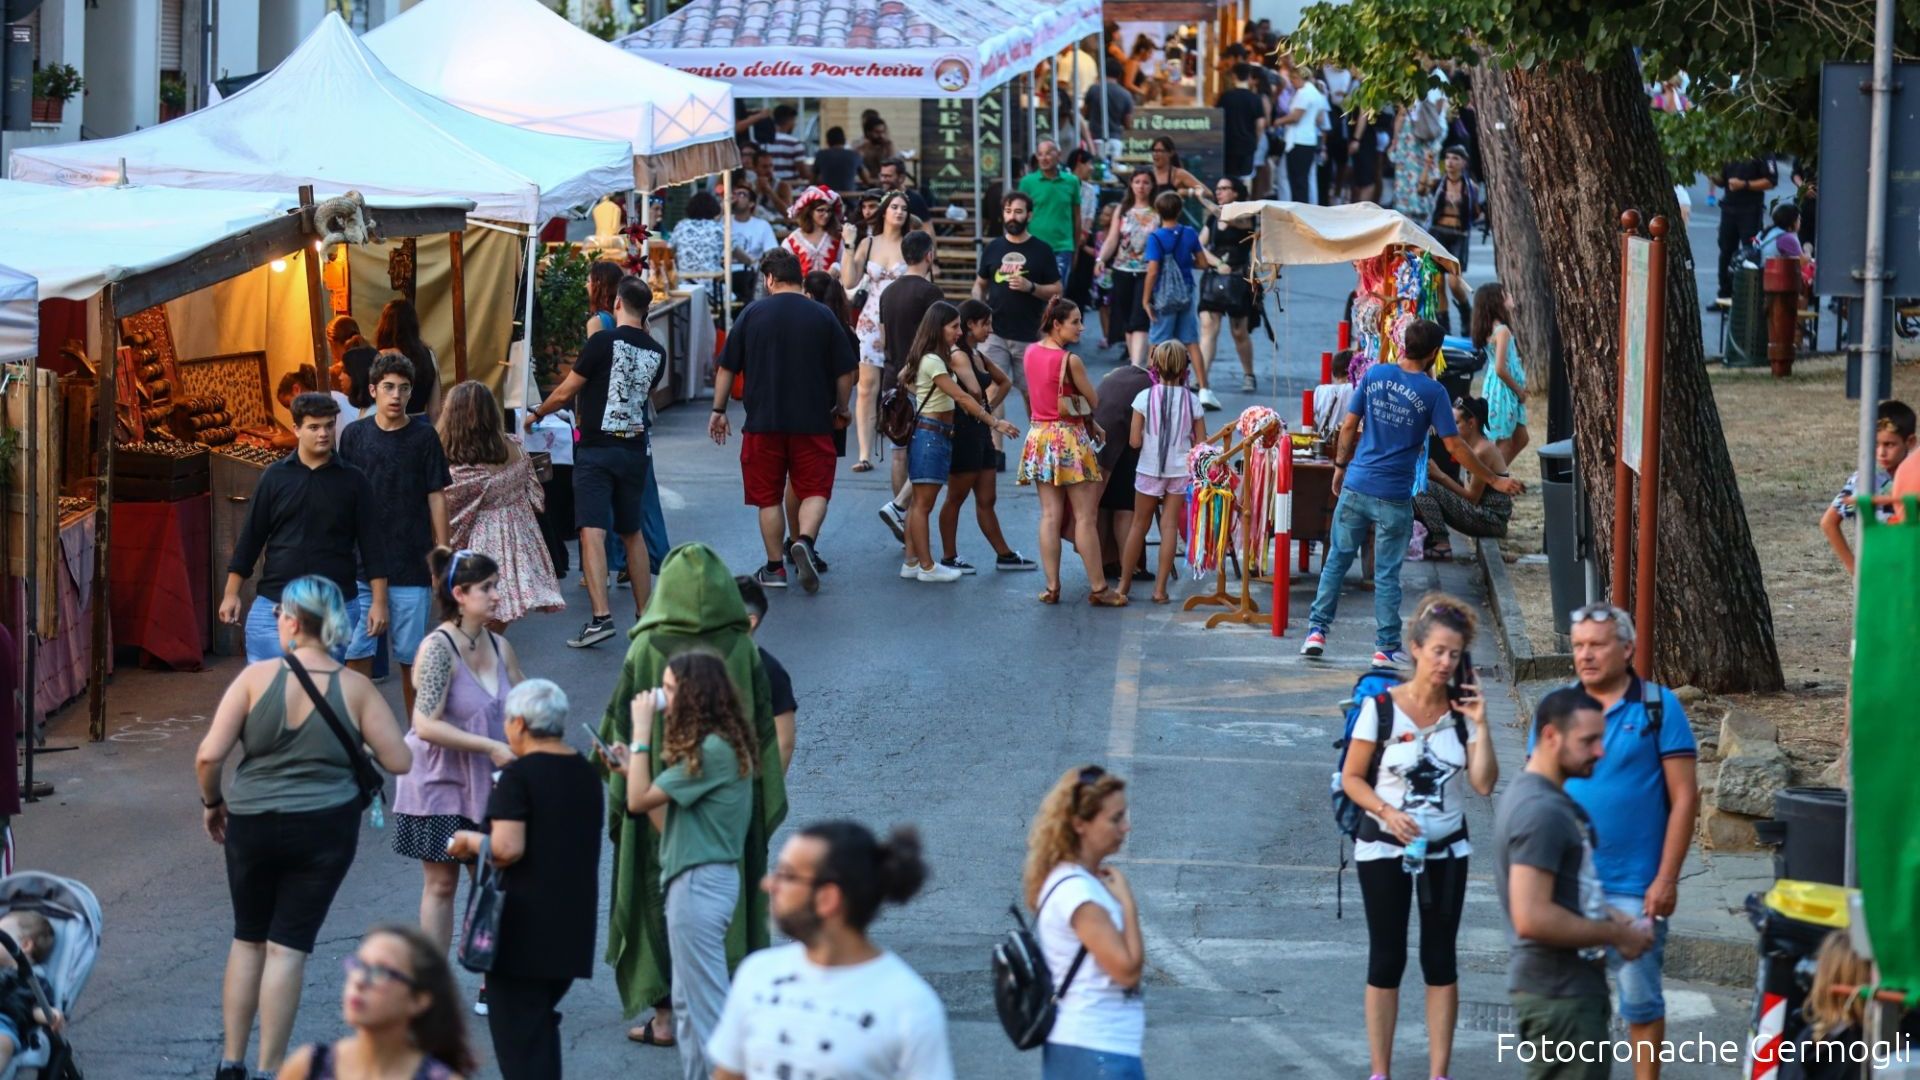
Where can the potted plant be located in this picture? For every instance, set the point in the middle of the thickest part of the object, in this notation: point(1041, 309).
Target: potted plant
point(173, 97)
point(560, 311)
point(54, 86)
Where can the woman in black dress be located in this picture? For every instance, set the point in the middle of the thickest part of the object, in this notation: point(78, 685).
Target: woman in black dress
point(544, 819)
point(1233, 246)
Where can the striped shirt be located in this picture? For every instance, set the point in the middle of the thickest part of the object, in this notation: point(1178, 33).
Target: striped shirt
point(787, 153)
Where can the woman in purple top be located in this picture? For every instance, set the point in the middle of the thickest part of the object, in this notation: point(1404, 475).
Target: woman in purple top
point(461, 677)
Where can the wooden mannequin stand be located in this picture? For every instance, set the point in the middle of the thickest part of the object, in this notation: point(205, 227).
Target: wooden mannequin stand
point(1245, 610)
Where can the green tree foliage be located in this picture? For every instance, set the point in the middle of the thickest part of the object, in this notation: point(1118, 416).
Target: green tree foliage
point(1754, 65)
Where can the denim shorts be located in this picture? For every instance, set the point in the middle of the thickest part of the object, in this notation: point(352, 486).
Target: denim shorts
point(263, 632)
point(1181, 325)
point(1641, 1001)
point(408, 612)
point(930, 454)
point(1059, 1061)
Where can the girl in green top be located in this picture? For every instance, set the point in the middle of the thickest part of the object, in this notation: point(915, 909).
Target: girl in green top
point(702, 804)
point(930, 453)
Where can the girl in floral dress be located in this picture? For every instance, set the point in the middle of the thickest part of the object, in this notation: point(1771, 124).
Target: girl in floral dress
point(492, 501)
point(876, 263)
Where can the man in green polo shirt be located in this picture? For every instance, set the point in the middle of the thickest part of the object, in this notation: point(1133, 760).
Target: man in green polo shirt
point(1056, 206)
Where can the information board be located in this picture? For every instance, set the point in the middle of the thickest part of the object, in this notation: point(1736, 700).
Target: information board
point(1633, 387)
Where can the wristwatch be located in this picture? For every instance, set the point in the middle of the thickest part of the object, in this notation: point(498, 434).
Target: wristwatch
point(636, 747)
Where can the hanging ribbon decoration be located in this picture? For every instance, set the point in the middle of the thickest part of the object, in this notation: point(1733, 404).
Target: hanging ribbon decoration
point(1210, 509)
point(1263, 469)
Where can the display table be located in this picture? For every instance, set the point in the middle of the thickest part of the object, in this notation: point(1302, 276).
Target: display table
point(62, 661)
point(1313, 504)
point(157, 573)
point(683, 322)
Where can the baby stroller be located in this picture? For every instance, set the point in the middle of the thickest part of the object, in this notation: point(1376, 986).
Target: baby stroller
point(75, 915)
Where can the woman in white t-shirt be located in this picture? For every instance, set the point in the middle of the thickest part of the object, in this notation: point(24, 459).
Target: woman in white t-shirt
point(1088, 928)
point(1436, 744)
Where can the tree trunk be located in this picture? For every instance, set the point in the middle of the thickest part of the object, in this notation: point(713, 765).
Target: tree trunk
point(1517, 253)
point(1589, 151)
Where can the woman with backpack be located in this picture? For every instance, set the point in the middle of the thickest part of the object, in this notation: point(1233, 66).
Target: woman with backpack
point(1088, 928)
point(1410, 757)
point(1173, 251)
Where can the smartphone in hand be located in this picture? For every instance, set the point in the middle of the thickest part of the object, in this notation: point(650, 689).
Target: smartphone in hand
point(1463, 677)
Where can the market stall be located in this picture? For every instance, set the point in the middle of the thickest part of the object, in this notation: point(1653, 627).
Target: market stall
point(1396, 267)
point(518, 62)
point(1185, 85)
point(123, 408)
point(332, 116)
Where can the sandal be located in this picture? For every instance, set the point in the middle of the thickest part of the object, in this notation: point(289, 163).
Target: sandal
point(1051, 595)
point(1107, 598)
point(863, 465)
point(1160, 599)
point(643, 1034)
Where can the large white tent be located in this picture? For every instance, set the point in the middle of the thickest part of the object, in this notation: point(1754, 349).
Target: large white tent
point(862, 48)
point(19, 315)
point(333, 116)
point(520, 63)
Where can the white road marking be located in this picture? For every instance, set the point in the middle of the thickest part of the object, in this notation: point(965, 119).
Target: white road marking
point(1125, 713)
point(671, 499)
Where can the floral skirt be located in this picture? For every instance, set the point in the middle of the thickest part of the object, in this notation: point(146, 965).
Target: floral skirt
point(1058, 452)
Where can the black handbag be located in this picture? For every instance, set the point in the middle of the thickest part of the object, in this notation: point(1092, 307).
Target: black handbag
point(1226, 292)
point(367, 778)
point(480, 928)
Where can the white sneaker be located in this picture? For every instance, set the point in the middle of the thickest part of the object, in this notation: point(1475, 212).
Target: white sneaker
point(939, 573)
point(909, 570)
point(1210, 400)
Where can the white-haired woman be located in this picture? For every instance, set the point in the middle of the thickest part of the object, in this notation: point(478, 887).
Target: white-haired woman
point(544, 821)
point(290, 820)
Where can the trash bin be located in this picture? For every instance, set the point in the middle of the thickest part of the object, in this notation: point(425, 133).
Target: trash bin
point(1565, 533)
point(1792, 919)
point(1813, 834)
point(1747, 320)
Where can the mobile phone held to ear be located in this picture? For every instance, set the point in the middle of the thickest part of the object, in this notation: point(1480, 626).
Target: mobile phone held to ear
point(1463, 677)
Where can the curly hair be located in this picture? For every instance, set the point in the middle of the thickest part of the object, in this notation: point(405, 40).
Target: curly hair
point(704, 704)
point(1076, 796)
point(1438, 609)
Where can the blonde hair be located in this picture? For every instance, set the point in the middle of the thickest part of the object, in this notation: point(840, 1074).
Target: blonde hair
point(1836, 964)
point(1169, 360)
point(1051, 840)
point(1445, 610)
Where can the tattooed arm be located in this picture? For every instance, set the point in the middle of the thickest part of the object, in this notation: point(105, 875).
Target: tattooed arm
point(432, 677)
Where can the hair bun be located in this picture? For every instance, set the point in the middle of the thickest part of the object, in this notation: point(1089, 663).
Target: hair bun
point(900, 868)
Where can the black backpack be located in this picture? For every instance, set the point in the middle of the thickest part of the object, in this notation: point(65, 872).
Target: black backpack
point(1355, 824)
point(1023, 990)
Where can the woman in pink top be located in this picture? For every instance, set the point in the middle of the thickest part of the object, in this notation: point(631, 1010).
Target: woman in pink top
point(1059, 454)
point(462, 674)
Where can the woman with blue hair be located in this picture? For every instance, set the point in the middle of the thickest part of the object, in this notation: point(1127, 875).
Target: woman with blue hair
point(290, 822)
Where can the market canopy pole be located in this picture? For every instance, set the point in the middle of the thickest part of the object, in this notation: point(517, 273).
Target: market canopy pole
point(107, 416)
point(979, 203)
point(1006, 135)
point(457, 260)
point(310, 262)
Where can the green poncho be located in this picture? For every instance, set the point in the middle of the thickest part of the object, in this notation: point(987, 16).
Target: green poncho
point(695, 605)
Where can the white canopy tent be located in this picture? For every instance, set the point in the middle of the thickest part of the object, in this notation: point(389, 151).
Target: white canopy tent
point(333, 116)
point(1301, 234)
point(518, 62)
point(19, 315)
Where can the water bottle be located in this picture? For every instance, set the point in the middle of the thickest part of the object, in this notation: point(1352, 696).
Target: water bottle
point(1413, 858)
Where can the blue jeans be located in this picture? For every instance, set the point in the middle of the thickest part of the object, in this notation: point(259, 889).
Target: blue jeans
point(1641, 1000)
point(1058, 1061)
point(1063, 261)
point(1392, 522)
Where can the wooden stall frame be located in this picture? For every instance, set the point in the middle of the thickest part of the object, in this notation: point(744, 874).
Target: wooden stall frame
point(1245, 610)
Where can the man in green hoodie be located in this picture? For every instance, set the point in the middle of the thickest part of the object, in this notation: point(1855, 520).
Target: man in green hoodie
point(695, 605)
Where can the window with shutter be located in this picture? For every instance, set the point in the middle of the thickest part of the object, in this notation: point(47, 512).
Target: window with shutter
point(170, 25)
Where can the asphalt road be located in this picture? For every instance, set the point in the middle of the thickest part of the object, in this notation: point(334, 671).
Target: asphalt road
point(951, 707)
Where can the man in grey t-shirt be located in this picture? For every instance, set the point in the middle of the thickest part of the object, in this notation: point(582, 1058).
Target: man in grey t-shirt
point(1553, 899)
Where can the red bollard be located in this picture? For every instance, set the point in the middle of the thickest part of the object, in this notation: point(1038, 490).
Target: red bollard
point(1306, 408)
point(1346, 336)
point(1326, 366)
point(1283, 536)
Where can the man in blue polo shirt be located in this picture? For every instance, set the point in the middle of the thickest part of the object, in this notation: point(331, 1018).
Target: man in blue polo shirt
point(1400, 403)
point(1648, 763)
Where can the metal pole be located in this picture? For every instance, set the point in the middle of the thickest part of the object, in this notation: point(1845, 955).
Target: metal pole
point(1106, 120)
point(979, 199)
point(726, 244)
point(1006, 135)
point(1874, 300)
point(1644, 586)
point(107, 421)
point(1053, 103)
point(30, 626)
point(1033, 113)
point(1622, 475)
point(1073, 106)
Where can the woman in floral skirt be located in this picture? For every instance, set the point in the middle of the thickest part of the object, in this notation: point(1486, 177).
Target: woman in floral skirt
point(492, 502)
point(1059, 455)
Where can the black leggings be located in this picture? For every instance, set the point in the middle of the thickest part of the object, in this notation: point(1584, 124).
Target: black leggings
point(1388, 892)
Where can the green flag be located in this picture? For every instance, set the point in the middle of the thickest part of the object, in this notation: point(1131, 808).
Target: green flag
point(1885, 755)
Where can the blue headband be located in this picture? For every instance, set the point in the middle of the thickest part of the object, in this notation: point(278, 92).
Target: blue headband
point(453, 567)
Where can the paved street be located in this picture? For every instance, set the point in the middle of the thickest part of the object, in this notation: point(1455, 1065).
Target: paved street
point(951, 707)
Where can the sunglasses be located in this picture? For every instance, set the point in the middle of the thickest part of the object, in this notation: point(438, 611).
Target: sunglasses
point(376, 975)
point(1598, 613)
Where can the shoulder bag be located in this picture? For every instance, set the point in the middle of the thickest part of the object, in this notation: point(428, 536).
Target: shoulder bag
point(899, 413)
point(1071, 404)
point(480, 927)
point(365, 776)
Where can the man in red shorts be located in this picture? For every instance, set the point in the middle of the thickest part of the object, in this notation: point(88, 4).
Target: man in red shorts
point(798, 365)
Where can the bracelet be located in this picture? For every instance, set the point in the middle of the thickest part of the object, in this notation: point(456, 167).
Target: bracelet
point(218, 801)
point(720, 410)
point(638, 748)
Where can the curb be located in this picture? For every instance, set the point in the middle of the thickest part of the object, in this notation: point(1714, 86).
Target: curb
point(1505, 605)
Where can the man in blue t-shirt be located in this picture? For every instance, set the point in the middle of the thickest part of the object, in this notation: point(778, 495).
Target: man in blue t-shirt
point(1649, 762)
point(1374, 482)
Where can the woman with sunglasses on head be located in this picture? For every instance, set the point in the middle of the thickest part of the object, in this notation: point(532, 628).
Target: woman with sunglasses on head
point(1232, 246)
point(1433, 742)
point(290, 820)
point(1088, 928)
point(461, 677)
point(401, 1001)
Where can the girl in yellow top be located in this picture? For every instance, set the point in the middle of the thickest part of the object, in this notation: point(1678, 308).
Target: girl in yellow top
point(930, 454)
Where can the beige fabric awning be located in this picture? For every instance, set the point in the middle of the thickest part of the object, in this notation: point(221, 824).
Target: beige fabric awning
point(685, 165)
point(1301, 234)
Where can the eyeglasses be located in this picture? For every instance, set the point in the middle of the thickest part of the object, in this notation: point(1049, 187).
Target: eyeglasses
point(783, 876)
point(375, 975)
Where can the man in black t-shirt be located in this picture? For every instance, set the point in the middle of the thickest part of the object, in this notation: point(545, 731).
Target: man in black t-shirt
point(610, 385)
point(798, 366)
point(1016, 278)
point(1245, 125)
point(1743, 204)
point(785, 706)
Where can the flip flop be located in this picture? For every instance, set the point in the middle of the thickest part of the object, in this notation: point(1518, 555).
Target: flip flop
point(643, 1034)
point(1050, 596)
point(861, 466)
